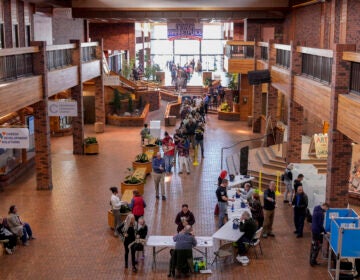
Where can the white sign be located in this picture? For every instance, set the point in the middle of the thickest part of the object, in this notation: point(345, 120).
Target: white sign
point(111, 80)
point(321, 145)
point(63, 108)
point(14, 138)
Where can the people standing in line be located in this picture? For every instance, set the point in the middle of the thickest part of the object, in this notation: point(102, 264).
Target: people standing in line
point(300, 204)
point(184, 217)
point(5, 234)
point(190, 131)
point(317, 230)
point(222, 198)
point(199, 137)
point(144, 133)
point(184, 153)
point(288, 177)
point(129, 237)
point(184, 243)
point(116, 204)
point(206, 103)
point(256, 209)
point(158, 166)
point(298, 182)
point(166, 139)
point(269, 210)
point(169, 152)
point(18, 227)
point(137, 205)
point(249, 227)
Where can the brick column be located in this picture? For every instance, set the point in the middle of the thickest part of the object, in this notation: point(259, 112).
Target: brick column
point(296, 112)
point(340, 150)
point(42, 124)
point(272, 104)
point(256, 108)
point(99, 89)
point(8, 28)
point(21, 22)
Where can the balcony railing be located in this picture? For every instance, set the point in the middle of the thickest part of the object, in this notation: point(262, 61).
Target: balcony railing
point(316, 63)
point(16, 63)
point(355, 78)
point(264, 53)
point(239, 49)
point(88, 51)
point(282, 57)
point(114, 62)
point(59, 59)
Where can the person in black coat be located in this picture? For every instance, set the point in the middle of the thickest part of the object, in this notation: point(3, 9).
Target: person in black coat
point(300, 204)
point(129, 234)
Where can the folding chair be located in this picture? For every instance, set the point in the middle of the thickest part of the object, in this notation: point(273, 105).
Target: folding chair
point(255, 241)
point(226, 250)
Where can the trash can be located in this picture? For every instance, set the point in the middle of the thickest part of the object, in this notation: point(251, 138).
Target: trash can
point(99, 127)
point(250, 119)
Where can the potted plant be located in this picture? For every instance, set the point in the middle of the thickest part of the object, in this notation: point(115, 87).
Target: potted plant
point(142, 160)
point(91, 146)
point(135, 180)
point(234, 88)
point(152, 146)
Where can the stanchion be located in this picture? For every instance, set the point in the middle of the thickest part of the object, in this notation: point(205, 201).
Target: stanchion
point(195, 163)
point(278, 183)
point(260, 177)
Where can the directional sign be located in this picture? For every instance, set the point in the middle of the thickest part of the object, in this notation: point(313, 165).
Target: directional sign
point(63, 108)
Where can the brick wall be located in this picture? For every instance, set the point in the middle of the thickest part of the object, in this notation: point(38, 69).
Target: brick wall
point(254, 29)
point(117, 36)
point(307, 25)
point(228, 116)
point(151, 97)
point(353, 23)
point(129, 121)
point(256, 107)
point(65, 28)
point(168, 96)
point(295, 128)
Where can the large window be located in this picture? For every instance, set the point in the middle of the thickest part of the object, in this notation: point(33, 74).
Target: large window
point(161, 47)
point(187, 47)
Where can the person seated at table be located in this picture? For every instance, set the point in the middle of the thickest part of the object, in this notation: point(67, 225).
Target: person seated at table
point(247, 226)
point(18, 227)
point(6, 234)
point(184, 217)
point(247, 193)
point(257, 210)
point(184, 242)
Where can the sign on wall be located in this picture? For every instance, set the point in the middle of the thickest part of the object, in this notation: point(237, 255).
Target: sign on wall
point(14, 138)
point(321, 145)
point(185, 30)
point(111, 80)
point(63, 108)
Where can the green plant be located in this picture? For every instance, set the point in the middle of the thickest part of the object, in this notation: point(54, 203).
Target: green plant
point(225, 107)
point(131, 179)
point(127, 68)
point(142, 158)
point(117, 101)
point(208, 82)
point(124, 208)
point(90, 140)
point(130, 104)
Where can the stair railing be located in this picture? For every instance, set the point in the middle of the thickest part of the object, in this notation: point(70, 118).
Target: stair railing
point(238, 143)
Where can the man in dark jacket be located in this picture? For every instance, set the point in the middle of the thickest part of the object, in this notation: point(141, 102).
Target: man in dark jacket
point(317, 228)
point(248, 226)
point(300, 204)
point(269, 210)
point(184, 217)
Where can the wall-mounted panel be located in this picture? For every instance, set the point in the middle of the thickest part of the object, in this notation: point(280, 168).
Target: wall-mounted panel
point(26, 92)
point(280, 79)
point(242, 66)
point(348, 116)
point(60, 80)
point(313, 96)
point(90, 70)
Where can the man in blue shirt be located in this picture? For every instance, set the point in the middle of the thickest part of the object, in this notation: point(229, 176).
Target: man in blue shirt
point(158, 165)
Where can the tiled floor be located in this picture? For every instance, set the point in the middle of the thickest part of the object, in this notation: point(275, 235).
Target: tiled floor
point(70, 222)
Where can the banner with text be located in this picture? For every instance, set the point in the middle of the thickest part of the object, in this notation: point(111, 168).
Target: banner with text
point(14, 138)
point(63, 108)
point(185, 30)
point(321, 145)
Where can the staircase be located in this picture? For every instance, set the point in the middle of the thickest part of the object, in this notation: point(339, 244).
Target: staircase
point(269, 162)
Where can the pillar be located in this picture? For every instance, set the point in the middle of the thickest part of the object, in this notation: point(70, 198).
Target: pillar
point(256, 108)
point(42, 124)
point(100, 115)
point(8, 28)
point(339, 148)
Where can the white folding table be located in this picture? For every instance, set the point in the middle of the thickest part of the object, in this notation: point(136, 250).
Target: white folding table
point(239, 180)
point(163, 242)
point(227, 233)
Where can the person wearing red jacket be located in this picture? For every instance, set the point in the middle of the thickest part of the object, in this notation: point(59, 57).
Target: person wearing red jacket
point(137, 205)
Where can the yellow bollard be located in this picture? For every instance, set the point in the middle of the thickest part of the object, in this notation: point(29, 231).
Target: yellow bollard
point(260, 177)
point(278, 183)
point(196, 163)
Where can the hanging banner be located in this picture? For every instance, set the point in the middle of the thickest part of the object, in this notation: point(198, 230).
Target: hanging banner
point(321, 145)
point(14, 138)
point(185, 30)
point(62, 108)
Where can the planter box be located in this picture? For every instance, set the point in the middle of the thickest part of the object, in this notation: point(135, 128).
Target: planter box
point(236, 107)
point(139, 187)
point(91, 149)
point(146, 165)
point(154, 150)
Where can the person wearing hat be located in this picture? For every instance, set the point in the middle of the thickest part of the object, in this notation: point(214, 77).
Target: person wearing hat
point(289, 190)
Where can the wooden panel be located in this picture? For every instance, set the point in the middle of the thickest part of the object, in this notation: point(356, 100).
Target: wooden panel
point(59, 80)
point(240, 43)
point(282, 47)
point(348, 114)
point(261, 65)
point(60, 47)
point(242, 66)
point(263, 44)
point(16, 51)
point(280, 79)
point(315, 51)
point(313, 96)
point(351, 56)
point(90, 70)
point(26, 91)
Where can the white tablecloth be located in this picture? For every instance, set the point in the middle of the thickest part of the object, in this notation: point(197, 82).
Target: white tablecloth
point(226, 232)
point(239, 179)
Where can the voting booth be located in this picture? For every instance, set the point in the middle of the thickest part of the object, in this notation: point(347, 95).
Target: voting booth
point(338, 214)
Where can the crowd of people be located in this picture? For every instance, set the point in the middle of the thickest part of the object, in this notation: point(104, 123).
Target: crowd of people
point(180, 75)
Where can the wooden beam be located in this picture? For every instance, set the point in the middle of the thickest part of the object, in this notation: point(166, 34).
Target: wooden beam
point(315, 51)
point(351, 56)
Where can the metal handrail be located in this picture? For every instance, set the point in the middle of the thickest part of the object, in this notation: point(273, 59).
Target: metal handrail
point(237, 143)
